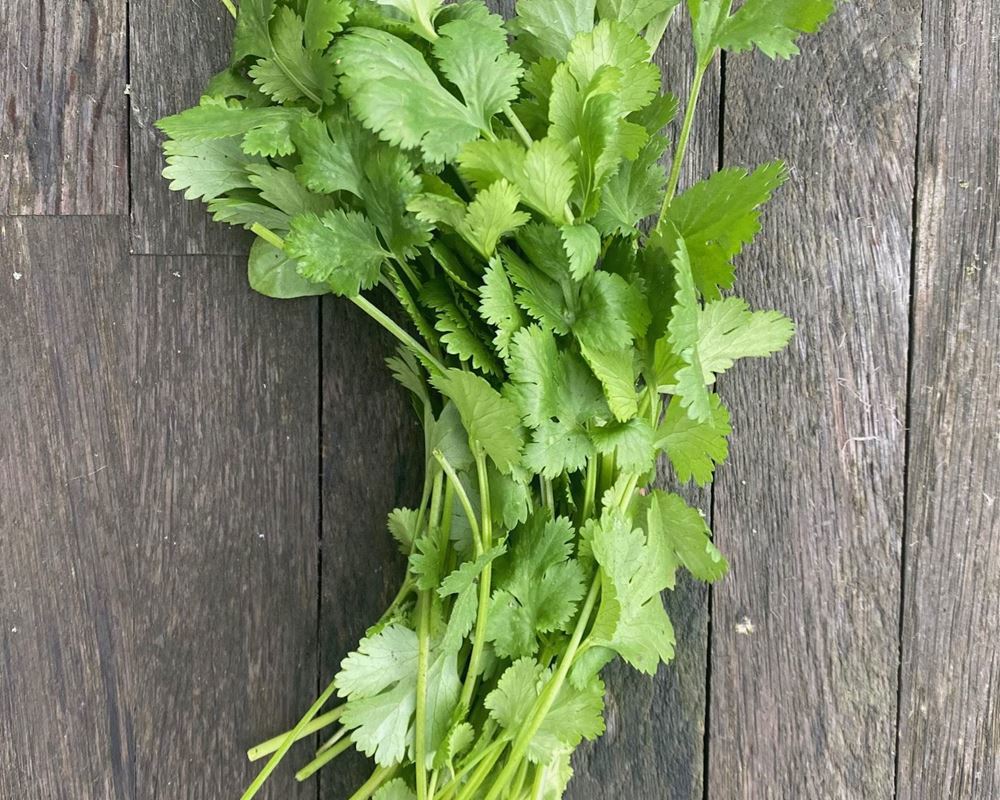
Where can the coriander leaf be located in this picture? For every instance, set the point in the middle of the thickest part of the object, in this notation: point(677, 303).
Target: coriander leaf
point(402, 524)
point(462, 584)
point(636, 14)
point(213, 118)
point(491, 215)
point(547, 27)
point(252, 37)
point(538, 586)
point(616, 372)
point(583, 245)
point(207, 169)
point(497, 306)
point(772, 26)
point(631, 442)
point(460, 330)
point(340, 248)
point(634, 192)
point(631, 619)
point(246, 212)
point(558, 446)
point(576, 713)
point(421, 12)
point(278, 187)
point(396, 94)
point(380, 661)
point(719, 216)
point(611, 44)
point(490, 419)
point(328, 162)
point(728, 330)
point(271, 272)
point(610, 314)
point(323, 18)
point(474, 56)
point(694, 448)
point(394, 790)
point(683, 337)
point(291, 72)
point(683, 529)
point(538, 294)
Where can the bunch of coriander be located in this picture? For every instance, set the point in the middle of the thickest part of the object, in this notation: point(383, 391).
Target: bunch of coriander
point(496, 179)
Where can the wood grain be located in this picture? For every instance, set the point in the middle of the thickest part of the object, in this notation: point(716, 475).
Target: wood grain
point(810, 509)
point(949, 726)
point(170, 65)
point(654, 745)
point(63, 123)
point(157, 539)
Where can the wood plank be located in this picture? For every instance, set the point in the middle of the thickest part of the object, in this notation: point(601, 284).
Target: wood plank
point(654, 745)
point(159, 520)
point(63, 123)
point(372, 462)
point(163, 221)
point(949, 738)
point(810, 511)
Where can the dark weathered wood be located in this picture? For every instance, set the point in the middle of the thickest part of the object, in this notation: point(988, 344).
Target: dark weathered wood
point(810, 510)
point(949, 737)
point(175, 47)
point(372, 462)
point(63, 123)
point(654, 745)
point(158, 520)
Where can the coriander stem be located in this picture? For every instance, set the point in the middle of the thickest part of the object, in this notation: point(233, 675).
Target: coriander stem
point(538, 785)
point(268, 236)
point(682, 142)
point(231, 8)
point(370, 786)
point(272, 744)
point(322, 759)
point(549, 693)
point(485, 579)
point(386, 322)
point(423, 655)
point(290, 737)
point(463, 498)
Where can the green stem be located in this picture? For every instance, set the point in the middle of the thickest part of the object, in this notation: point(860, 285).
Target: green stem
point(268, 236)
point(423, 654)
point(452, 786)
point(485, 579)
point(682, 142)
point(333, 740)
point(589, 490)
point(386, 322)
point(370, 786)
point(323, 759)
point(549, 694)
point(290, 737)
point(480, 775)
point(268, 747)
point(463, 498)
point(538, 786)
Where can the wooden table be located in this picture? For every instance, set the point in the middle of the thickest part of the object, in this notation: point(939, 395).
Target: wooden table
point(194, 479)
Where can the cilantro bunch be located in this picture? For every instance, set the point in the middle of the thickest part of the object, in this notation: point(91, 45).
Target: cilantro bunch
point(565, 317)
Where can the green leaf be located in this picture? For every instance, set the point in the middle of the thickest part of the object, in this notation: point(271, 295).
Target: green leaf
point(631, 619)
point(420, 12)
point(583, 245)
point(403, 525)
point(340, 248)
point(631, 442)
point(719, 216)
point(207, 169)
point(324, 18)
point(279, 187)
point(684, 338)
point(379, 662)
point(328, 164)
point(547, 27)
point(462, 583)
point(728, 330)
point(633, 193)
point(636, 14)
point(252, 37)
point(616, 372)
point(396, 94)
point(683, 529)
point(491, 215)
point(490, 419)
point(538, 586)
point(772, 26)
point(694, 448)
point(271, 272)
point(394, 789)
point(461, 331)
point(575, 714)
point(498, 308)
point(291, 71)
point(611, 313)
point(474, 56)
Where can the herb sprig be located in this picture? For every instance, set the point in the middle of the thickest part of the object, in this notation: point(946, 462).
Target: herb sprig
point(568, 317)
